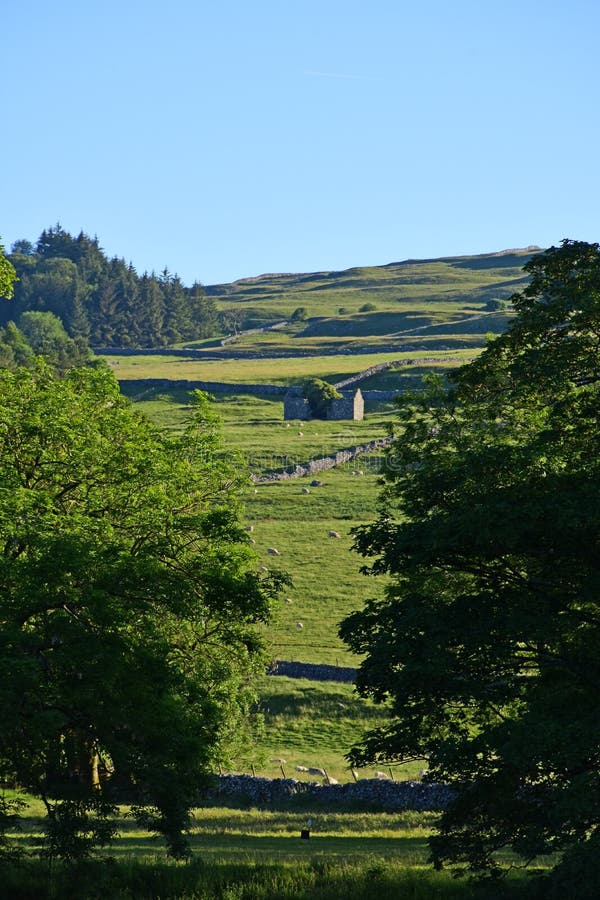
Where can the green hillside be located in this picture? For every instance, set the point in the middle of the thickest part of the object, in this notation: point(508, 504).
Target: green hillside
point(415, 302)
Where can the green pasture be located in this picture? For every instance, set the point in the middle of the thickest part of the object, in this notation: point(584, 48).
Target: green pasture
point(314, 724)
point(326, 580)
point(255, 428)
point(252, 854)
point(266, 370)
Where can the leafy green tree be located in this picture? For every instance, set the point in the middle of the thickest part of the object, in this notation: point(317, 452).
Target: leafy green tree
point(319, 394)
point(15, 349)
point(7, 276)
point(46, 336)
point(487, 641)
point(54, 286)
point(300, 314)
point(129, 598)
point(496, 305)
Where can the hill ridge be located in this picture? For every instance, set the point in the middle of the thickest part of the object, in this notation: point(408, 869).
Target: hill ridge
point(268, 276)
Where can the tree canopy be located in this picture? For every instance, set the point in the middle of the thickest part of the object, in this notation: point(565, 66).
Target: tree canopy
point(319, 394)
point(487, 640)
point(128, 604)
point(104, 301)
point(7, 276)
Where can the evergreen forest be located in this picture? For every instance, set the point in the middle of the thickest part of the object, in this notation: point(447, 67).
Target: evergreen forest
point(102, 301)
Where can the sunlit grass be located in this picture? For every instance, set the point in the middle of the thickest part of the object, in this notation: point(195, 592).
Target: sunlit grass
point(262, 370)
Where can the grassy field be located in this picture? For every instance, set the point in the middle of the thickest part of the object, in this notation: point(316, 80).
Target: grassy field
point(251, 854)
point(314, 723)
point(255, 427)
point(267, 370)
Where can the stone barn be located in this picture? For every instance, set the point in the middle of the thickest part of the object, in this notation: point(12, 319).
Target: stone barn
point(350, 405)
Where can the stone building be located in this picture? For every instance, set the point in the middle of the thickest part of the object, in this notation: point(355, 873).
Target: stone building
point(350, 405)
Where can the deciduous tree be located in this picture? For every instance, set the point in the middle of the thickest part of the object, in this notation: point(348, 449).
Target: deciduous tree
point(7, 275)
point(129, 598)
point(487, 641)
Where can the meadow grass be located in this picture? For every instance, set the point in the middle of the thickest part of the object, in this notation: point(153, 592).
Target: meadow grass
point(264, 369)
point(252, 854)
point(254, 427)
point(327, 583)
point(314, 724)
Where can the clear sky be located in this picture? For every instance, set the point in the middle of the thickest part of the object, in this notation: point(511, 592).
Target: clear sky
point(226, 139)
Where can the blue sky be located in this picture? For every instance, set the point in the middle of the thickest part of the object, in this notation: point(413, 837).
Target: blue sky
point(228, 139)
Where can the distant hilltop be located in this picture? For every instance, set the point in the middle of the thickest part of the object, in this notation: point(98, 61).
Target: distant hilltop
point(326, 273)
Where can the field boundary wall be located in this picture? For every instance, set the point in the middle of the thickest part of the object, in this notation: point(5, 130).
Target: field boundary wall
point(388, 795)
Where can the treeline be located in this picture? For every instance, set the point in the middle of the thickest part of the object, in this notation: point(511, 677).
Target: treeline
point(104, 302)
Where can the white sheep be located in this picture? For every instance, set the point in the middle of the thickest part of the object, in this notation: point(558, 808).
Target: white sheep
point(299, 626)
point(273, 551)
point(250, 528)
point(334, 534)
point(305, 491)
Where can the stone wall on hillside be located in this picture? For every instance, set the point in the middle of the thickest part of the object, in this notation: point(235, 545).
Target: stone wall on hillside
point(315, 466)
point(312, 671)
point(392, 364)
point(387, 795)
point(221, 387)
point(213, 387)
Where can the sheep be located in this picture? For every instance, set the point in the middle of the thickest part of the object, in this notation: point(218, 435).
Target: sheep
point(264, 568)
point(273, 551)
point(316, 483)
point(251, 540)
point(334, 534)
point(320, 772)
point(288, 600)
point(299, 626)
point(382, 776)
point(300, 768)
point(305, 490)
point(300, 434)
point(278, 759)
point(250, 528)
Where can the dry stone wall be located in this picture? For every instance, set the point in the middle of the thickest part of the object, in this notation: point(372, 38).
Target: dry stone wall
point(390, 796)
point(313, 671)
point(392, 364)
point(213, 387)
point(314, 466)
